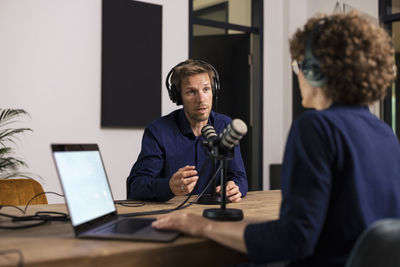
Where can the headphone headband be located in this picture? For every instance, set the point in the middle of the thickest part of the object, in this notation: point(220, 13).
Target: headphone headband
point(174, 92)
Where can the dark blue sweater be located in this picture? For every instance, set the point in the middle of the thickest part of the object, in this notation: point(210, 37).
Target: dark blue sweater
point(340, 173)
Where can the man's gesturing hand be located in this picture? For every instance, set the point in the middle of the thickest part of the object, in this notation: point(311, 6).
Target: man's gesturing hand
point(183, 181)
point(232, 191)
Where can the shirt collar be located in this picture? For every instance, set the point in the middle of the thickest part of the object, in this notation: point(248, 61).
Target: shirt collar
point(185, 125)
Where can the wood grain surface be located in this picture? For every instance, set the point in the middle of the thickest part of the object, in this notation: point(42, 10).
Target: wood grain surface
point(54, 244)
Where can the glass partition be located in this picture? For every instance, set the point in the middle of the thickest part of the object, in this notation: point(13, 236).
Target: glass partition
point(392, 6)
point(228, 11)
point(395, 105)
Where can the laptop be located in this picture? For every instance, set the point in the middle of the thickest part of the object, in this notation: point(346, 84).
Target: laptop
point(89, 200)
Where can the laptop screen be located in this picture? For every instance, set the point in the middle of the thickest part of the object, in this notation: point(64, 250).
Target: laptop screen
point(85, 184)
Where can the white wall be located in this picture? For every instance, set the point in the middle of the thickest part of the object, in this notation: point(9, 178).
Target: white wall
point(50, 63)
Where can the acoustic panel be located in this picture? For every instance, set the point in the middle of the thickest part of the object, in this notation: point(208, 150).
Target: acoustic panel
point(131, 63)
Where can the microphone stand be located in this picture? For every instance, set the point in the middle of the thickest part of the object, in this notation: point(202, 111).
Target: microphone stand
point(222, 213)
point(213, 198)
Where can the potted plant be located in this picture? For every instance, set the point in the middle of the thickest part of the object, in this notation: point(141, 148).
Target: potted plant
point(9, 164)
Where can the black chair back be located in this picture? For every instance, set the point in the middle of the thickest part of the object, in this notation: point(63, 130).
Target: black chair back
point(377, 246)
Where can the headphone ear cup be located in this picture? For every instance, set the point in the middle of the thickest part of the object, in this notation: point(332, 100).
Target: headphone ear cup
point(173, 92)
point(178, 98)
point(174, 95)
point(213, 85)
point(312, 72)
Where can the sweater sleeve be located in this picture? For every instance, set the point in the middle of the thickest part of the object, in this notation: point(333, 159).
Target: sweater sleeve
point(306, 183)
point(144, 181)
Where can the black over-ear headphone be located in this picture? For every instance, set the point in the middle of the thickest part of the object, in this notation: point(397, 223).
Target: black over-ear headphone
point(311, 65)
point(174, 92)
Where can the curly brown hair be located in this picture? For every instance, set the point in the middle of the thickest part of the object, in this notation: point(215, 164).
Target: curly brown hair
point(356, 56)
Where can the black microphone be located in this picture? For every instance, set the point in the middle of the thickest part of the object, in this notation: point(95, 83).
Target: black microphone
point(231, 135)
point(210, 135)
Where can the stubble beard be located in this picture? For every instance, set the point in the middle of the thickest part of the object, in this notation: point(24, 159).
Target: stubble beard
point(199, 118)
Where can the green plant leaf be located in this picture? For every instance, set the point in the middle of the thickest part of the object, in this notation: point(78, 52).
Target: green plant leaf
point(8, 135)
point(5, 150)
point(9, 164)
point(9, 114)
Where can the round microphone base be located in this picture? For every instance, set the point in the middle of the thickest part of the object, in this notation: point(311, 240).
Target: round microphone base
point(223, 215)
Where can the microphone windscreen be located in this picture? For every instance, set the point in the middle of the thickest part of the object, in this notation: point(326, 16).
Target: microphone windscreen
point(232, 134)
point(239, 126)
point(208, 131)
point(210, 135)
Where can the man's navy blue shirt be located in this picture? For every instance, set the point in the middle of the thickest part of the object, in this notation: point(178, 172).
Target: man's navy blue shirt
point(169, 144)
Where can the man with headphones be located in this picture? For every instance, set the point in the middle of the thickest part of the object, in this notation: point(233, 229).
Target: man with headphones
point(173, 159)
point(341, 165)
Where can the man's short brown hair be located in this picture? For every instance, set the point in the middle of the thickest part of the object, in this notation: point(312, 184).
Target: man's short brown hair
point(188, 68)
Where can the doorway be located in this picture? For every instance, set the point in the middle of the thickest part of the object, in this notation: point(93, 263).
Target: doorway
point(236, 53)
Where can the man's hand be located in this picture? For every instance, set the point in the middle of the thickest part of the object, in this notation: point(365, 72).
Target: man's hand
point(183, 181)
point(232, 191)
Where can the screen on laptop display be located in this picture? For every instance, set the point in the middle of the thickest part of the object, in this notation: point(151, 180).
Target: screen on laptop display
point(85, 185)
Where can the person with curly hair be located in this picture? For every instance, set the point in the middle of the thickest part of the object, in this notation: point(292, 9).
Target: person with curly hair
point(341, 164)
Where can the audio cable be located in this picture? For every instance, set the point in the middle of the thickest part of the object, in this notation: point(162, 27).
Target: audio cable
point(39, 218)
point(181, 205)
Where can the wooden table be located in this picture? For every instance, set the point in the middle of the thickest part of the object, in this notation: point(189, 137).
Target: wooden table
point(54, 244)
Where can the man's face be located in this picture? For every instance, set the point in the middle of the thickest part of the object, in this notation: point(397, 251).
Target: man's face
point(197, 97)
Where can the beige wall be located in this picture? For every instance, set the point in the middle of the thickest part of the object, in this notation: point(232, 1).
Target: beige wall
point(50, 63)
